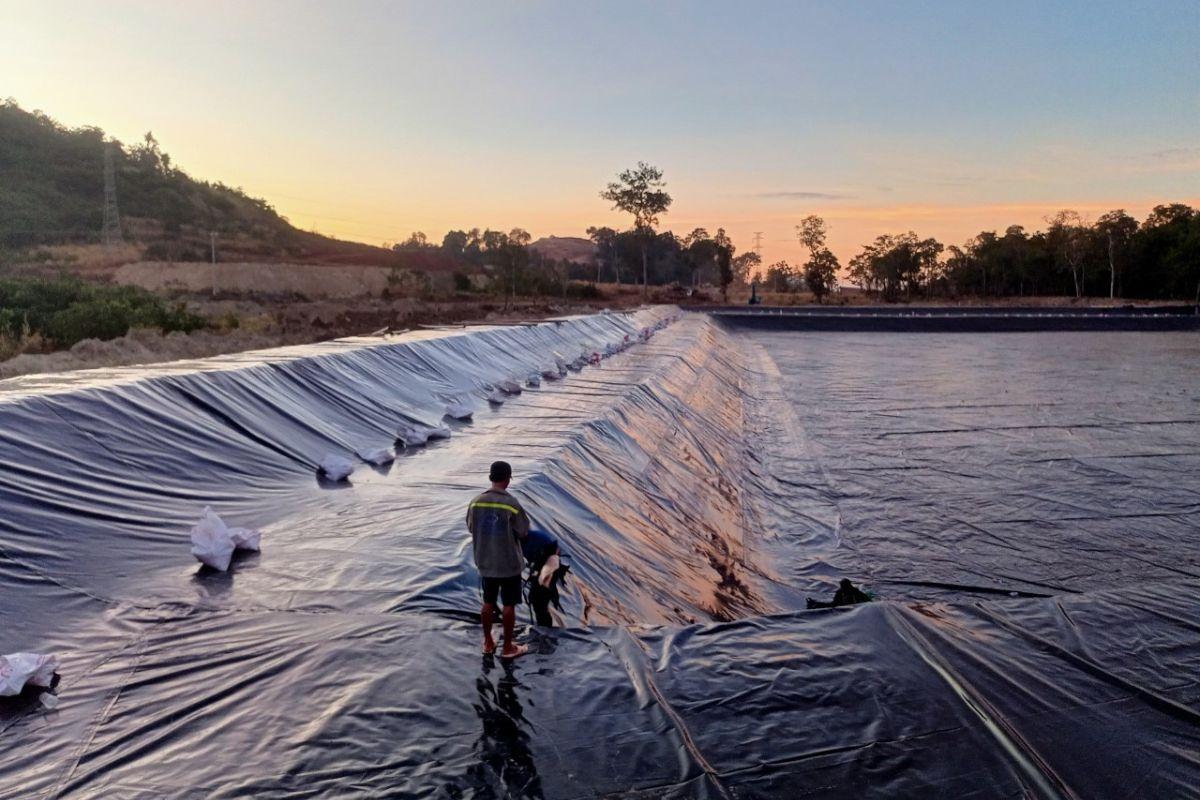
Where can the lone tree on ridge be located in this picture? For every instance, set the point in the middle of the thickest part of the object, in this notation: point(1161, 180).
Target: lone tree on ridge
point(640, 192)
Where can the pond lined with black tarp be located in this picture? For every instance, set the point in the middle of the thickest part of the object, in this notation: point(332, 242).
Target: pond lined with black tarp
point(1024, 506)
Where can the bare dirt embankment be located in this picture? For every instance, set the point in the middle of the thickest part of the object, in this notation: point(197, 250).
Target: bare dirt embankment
point(259, 305)
point(306, 280)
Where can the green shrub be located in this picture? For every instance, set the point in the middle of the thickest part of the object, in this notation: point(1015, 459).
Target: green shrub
point(67, 310)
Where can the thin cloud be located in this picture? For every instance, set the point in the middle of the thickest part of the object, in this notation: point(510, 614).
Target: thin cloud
point(1171, 154)
point(964, 180)
point(801, 196)
point(1167, 159)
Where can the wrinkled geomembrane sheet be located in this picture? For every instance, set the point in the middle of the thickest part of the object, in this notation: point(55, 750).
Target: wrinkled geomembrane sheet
point(1041, 463)
point(704, 483)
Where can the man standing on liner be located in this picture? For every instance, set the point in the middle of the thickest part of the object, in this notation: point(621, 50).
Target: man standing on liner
point(498, 524)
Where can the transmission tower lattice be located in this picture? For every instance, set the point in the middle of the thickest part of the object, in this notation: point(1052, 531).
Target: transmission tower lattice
point(111, 233)
point(758, 242)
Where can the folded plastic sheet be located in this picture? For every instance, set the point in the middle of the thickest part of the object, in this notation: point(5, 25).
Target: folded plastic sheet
point(689, 479)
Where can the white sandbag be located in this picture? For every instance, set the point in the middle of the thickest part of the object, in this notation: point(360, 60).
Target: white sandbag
point(548, 570)
point(337, 468)
point(561, 364)
point(245, 539)
point(534, 380)
point(509, 386)
point(412, 435)
point(496, 396)
point(212, 543)
point(551, 373)
point(439, 432)
point(378, 456)
point(457, 409)
point(19, 669)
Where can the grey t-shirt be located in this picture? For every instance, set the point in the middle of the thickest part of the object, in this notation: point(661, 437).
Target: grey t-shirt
point(497, 523)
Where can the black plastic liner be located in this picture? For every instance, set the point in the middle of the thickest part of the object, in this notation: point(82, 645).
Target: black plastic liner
point(960, 319)
point(703, 484)
point(1037, 698)
point(969, 466)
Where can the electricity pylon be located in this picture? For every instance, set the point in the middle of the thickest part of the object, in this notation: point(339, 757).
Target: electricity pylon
point(111, 233)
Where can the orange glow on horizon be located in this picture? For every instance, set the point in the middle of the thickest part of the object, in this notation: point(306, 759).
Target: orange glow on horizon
point(850, 227)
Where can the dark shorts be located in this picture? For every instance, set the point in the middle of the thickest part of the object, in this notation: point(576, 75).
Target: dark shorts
point(508, 590)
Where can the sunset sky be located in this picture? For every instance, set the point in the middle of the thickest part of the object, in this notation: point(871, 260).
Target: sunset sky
point(371, 120)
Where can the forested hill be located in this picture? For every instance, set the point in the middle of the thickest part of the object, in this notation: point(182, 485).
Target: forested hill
point(52, 192)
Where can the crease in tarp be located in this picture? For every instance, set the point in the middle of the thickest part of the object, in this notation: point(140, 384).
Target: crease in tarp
point(1157, 701)
point(1040, 775)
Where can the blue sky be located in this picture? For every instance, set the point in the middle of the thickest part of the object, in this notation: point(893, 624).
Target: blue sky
point(370, 120)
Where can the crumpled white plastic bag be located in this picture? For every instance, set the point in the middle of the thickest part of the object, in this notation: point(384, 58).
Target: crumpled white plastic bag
point(213, 542)
point(18, 669)
point(534, 380)
point(496, 396)
point(337, 468)
point(509, 386)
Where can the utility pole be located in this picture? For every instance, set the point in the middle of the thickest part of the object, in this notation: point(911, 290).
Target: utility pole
point(212, 241)
point(111, 232)
point(758, 248)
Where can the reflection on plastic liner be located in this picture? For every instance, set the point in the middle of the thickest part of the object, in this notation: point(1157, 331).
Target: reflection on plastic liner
point(503, 744)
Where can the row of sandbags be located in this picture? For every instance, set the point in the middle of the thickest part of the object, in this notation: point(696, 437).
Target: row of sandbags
point(213, 542)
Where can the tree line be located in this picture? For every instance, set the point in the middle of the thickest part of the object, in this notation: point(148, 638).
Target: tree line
point(1115, 256)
